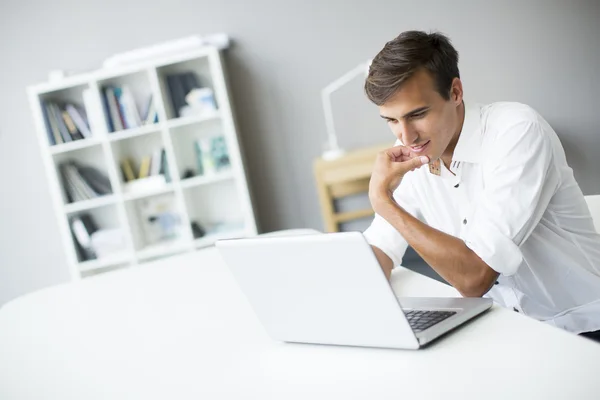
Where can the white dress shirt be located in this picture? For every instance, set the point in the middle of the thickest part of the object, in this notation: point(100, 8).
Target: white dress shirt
point(512, 198)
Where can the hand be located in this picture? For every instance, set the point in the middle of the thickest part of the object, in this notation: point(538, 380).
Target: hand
point(390, 166)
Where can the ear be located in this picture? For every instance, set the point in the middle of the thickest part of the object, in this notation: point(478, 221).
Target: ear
point(456, 91)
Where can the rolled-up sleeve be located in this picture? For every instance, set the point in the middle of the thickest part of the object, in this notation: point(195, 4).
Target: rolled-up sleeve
point(383, 235)
point(519, 181)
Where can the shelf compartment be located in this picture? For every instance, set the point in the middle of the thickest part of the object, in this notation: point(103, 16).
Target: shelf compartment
point(142, 153)
point(155, 221)
point(174, 88)
point(214, 206)
point(83, 187)
point(127, 100)
point(193, 142)
point(100, 238)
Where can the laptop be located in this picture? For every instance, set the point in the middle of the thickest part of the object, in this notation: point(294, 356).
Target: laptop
point(330, 289)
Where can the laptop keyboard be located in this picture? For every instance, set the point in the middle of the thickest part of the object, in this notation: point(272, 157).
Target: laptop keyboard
point(421, 319)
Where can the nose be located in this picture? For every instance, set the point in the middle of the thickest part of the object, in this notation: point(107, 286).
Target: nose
point(406, 133)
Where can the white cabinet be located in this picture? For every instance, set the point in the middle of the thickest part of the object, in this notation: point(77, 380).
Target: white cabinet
point(188, 168)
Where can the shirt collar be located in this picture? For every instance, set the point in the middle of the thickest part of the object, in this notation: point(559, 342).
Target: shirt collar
point(468, 148)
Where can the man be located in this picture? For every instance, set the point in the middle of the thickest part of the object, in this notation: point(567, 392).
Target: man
point(483, 193)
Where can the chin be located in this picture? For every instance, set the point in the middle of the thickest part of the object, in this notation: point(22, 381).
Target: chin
point(432, 156)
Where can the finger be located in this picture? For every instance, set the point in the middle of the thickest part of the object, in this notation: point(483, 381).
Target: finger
point(417, 162)
point(404, 158)
point(397, 151)
point(412, 156)
point(412, 164)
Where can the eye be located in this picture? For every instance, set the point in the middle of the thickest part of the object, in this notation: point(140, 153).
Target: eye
point(419, 115)
point(392, 121)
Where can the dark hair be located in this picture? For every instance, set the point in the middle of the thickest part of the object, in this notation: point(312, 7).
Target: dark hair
point(402, 57)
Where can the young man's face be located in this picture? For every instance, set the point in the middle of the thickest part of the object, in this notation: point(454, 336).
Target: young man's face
point(421, 119)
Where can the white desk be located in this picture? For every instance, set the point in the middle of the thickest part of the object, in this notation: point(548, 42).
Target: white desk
point(180, 329)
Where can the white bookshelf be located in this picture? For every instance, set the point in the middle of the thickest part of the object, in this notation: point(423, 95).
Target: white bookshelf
point(219, 201)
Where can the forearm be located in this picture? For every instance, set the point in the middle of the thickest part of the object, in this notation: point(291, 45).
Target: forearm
point(446, 254)
point(385, 262)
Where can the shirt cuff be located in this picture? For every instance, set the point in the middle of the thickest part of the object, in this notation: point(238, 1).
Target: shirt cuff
point(386, 246)
point(498, 251)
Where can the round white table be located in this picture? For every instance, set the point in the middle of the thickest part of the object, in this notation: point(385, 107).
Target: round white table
point(180, 328)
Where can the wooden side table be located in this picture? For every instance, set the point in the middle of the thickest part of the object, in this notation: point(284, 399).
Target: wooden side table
point(343, 177)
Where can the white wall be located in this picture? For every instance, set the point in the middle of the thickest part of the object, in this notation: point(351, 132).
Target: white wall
point(544, 53)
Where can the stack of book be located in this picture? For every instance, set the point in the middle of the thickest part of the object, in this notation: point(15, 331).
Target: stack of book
point(91, 242)
point(180, 85)
point(65, 123)
point(82, 182)
point(151, 165)
point(82, 227)
point(121, 111)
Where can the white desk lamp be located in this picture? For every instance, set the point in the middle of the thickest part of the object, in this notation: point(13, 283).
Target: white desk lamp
point(334, 151)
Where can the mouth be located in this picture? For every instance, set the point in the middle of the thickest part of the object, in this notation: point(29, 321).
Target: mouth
point(421, 148)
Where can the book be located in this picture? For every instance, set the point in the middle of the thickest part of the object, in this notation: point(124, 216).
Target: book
point(89, 105)
point(75, 192)
point(150, 116)
point(93, 112)
point(54, 124)
point(82, 187)
point(95, 179)
point(148, 106)
point(70, 189)
point(127, 169)
point(79, 121)
point(155, 163)
point(190, 81)
point(83, 182)
point(89, 223)
point(131, 110)
point(71, 126)
point(81, 254)
point(126, 109)
point(164, 170)
point(64, 132)
point(118, 92)
point(113, 108)
point(176, 93)
point(51, 139)
point(145, 167)
point(83, 226)
point(205, 162)
point(219, 152)
point(198, 152)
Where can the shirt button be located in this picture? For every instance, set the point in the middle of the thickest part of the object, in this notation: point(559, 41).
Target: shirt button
point(515, 309)
point(464, 221)
point(496, 283)
point(458, 184)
